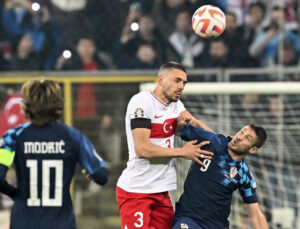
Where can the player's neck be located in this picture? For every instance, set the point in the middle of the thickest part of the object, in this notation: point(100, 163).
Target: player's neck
point(235, 156)
point(160, 95)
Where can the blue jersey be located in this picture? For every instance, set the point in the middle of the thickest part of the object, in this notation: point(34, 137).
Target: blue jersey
point(45, 160)
point(208, 190)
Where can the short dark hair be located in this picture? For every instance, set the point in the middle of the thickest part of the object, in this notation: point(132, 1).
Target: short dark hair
point(171, 65)
point(231, 13)
point(260, 133)
point(42, 101)
point(261, 5)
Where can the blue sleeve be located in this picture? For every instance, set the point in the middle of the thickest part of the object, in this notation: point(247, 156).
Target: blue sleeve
point(218, 142)
point(5, 187)
point(247, 185)
point(90, 160)
point(190, 133)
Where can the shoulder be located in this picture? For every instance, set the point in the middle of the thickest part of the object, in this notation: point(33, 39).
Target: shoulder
point(67, 130)
point(141, 100)
point(141, 96)
point(18, 130)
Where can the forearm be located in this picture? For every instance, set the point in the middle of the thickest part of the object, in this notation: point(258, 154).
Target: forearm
point(197, 123)
point(256, 48)
point(150, 150)
point(259, 222)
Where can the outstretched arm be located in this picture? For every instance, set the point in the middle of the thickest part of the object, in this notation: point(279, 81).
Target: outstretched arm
point(187, 118)
point(145, 149)
point(257, 218)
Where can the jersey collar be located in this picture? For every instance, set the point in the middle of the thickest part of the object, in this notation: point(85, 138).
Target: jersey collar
point(159, 100)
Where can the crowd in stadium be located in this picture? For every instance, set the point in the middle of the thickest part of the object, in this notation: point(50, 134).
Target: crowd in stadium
point(142, 34)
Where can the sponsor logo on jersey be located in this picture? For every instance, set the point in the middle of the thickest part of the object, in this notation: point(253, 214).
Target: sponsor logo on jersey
point(233, 172)
point(139, 113)
point(157, 116)
point(184, 226)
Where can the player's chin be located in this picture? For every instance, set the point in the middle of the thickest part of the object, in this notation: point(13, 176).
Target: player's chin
point(176, 98)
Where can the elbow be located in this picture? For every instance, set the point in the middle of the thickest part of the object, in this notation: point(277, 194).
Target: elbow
point(141, 152)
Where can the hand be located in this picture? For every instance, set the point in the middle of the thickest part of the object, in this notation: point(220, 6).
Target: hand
point(60, 62)
point(87, 175)
point(45, 14)
point(185, 117)
point(194, 152)
point(271, 33)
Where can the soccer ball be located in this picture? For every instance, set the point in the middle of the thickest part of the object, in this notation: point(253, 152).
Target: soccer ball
point(209, 21)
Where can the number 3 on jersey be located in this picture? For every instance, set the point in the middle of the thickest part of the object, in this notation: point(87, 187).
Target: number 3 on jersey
point(47, 201)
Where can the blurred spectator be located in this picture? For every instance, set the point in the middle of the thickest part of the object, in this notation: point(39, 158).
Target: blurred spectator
point(70, 18)
point(238, 7)
point(26, 59)
point(287, 53)
point(233, 37)
point(184, 46)
point(20, 17)
point(108, 19)
point(144, 33)
point(85, 58)
point(145, 58)
point(140, 45)
point(198, 3)
point(266, 43)
point(165, 11)
point(253, 26)
point(218, 55)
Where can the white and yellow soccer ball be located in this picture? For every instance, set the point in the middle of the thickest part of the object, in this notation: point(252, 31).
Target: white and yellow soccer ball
point(209, 21)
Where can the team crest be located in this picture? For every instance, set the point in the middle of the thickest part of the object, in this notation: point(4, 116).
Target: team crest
point(233, 172)
point(139, 113)
point(184, 226)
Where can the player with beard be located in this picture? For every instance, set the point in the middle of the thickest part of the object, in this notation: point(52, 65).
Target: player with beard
point(206, 200)
point(151, 118)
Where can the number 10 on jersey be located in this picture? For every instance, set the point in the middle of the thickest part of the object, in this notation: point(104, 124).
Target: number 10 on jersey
point(46, 200)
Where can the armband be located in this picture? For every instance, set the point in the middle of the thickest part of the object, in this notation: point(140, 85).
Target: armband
point(140, 123)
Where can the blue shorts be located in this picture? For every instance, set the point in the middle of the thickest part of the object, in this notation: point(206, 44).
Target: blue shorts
point(184, 222)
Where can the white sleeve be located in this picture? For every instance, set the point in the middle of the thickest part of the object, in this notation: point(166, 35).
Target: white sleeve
point(140, 106)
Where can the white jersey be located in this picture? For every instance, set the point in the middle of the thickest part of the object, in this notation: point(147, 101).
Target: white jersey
point(144, 175)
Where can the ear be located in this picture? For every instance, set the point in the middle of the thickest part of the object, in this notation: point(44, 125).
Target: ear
point(253, 150)
point(160, 80)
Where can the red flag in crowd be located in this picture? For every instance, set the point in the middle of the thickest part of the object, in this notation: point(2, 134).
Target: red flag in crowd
point(10, 114)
